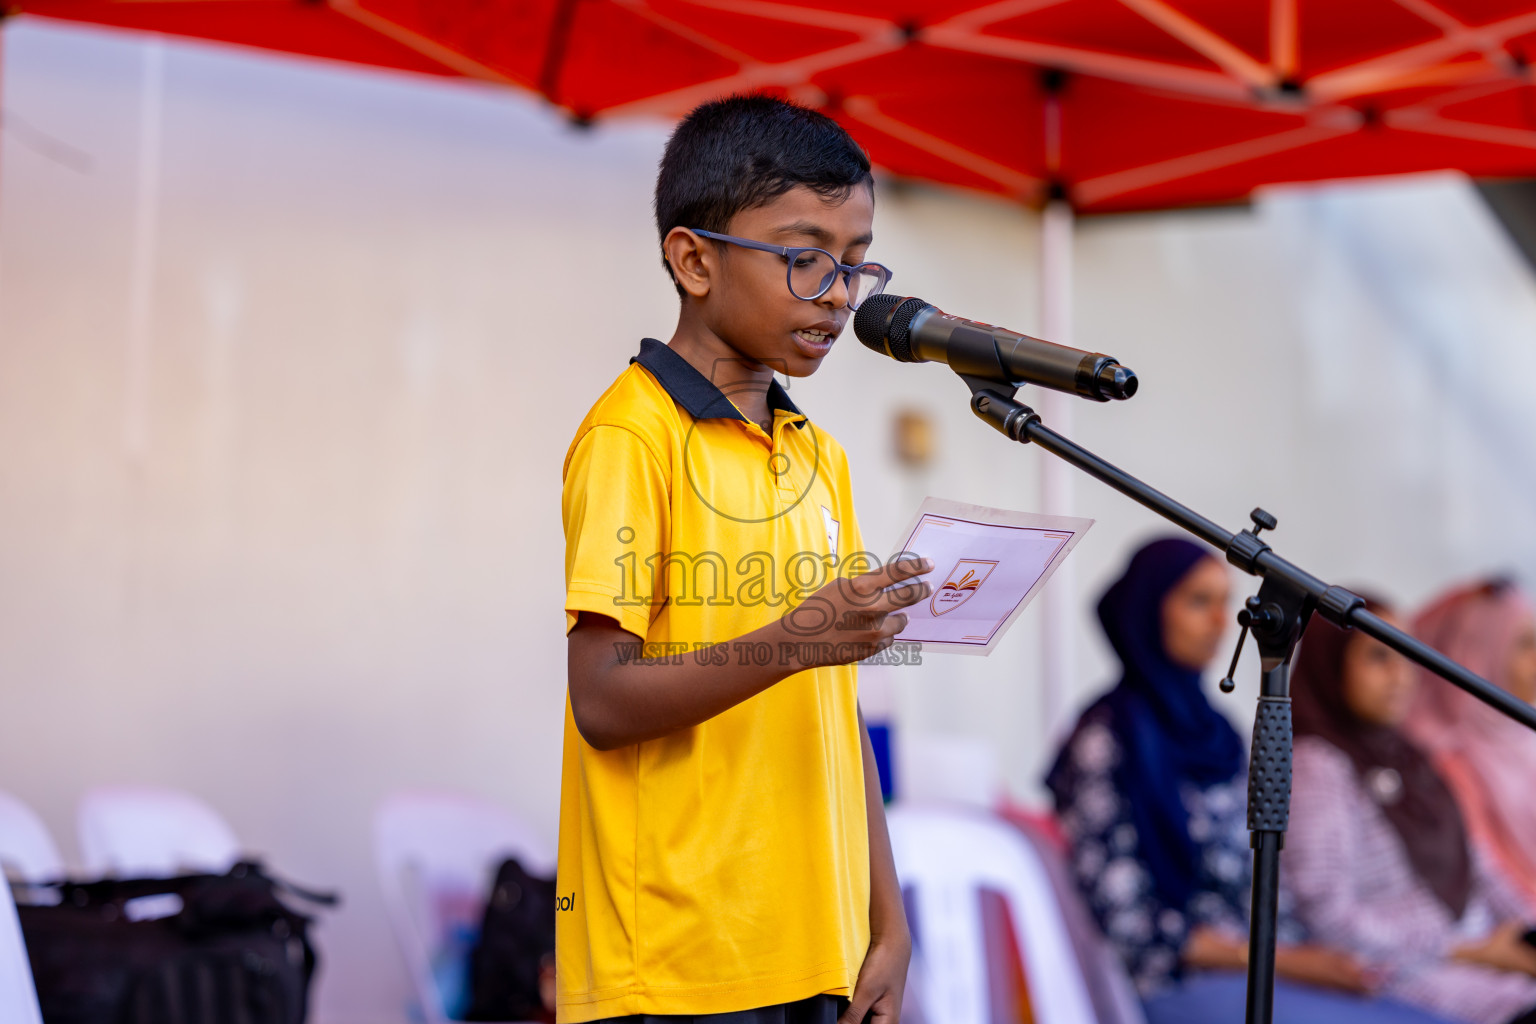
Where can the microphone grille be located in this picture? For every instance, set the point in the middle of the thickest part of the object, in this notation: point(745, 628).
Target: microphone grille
point(884, 322)
point(901, 324)
point(870, 319)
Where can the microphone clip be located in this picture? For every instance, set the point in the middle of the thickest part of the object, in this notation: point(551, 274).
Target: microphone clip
point(993, 401)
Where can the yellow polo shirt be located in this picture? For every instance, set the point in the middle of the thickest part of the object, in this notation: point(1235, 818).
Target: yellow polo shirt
point(725, 866)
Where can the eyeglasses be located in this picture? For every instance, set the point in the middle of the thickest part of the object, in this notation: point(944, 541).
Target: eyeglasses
point(812, 272)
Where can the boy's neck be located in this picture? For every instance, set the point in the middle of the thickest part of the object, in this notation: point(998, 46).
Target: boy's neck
point(744, 380)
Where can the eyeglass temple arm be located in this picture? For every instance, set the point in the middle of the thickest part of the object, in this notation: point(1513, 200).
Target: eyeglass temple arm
point(784, 250)
point(746, 243)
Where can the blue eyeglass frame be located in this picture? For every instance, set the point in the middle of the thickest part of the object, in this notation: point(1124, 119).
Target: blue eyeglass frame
point(790, 252)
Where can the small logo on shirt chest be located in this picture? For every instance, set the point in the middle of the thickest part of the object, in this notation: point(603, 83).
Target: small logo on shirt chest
point(832, 530)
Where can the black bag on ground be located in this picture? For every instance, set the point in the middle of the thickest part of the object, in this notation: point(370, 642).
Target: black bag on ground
point(517, 933)
point(225, 951)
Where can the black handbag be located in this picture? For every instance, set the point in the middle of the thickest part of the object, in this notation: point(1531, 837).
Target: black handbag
point(194, 949)
point(517, 942)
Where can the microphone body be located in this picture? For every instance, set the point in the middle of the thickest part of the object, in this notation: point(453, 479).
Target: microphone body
point(910, 330)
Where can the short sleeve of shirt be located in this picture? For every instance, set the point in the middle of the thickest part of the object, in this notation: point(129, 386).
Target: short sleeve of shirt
point(615, 506)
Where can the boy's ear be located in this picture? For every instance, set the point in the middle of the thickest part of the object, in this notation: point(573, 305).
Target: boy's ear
point(692, 261)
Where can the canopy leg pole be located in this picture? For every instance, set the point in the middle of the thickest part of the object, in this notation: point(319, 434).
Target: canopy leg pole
point(145, 252)
point(4, 127)
point(1058, 621)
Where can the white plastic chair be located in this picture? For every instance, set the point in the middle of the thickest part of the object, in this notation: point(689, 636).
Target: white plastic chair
point(946, 855)
point(27, 850)
point(149, 832)
point(437, 854)
point(18, 997)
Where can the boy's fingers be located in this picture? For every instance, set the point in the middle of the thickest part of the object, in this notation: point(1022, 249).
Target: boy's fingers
point(892, 572)
point(905, 596)
point(899, 569)
point(855, 1012)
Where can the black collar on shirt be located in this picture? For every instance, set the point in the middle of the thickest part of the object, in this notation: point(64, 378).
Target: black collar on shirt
point(695, 392)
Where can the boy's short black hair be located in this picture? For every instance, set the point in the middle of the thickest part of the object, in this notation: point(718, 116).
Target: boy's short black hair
point(737, 153)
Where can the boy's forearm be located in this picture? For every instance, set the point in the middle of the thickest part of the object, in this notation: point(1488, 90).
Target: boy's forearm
point(887, 913)
point(620, 700)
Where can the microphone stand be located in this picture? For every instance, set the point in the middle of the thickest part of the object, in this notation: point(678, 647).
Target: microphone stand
point(1276, 617)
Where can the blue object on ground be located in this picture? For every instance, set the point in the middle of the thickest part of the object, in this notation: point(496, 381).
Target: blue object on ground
point(880, 740)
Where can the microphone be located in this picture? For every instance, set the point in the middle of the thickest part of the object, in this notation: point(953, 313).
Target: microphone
point(909, 330)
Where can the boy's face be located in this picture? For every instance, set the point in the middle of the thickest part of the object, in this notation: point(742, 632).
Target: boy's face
point(747, 302)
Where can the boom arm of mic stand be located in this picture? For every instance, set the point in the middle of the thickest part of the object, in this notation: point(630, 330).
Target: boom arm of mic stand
point(994, 404)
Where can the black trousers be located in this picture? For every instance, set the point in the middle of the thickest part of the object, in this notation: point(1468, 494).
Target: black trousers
point(823, 1009)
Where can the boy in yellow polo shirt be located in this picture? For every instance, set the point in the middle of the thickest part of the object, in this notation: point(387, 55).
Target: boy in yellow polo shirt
point(723, 851)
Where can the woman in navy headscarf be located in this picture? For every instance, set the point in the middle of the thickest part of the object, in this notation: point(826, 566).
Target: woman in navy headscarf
point(1151, 792)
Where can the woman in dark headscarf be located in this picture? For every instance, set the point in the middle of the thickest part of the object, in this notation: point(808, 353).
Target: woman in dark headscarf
point(1150, 790)
point(1377, 859)
point(1170, 736)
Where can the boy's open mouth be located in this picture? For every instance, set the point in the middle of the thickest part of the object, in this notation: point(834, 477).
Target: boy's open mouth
point(816, 340)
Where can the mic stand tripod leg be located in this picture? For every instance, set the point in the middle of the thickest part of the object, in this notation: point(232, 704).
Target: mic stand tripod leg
point(1261, 928)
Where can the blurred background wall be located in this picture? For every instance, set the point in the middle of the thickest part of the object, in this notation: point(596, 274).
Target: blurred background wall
point(290, 355)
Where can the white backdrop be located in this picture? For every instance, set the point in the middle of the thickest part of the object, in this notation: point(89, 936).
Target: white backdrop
point(290, 356)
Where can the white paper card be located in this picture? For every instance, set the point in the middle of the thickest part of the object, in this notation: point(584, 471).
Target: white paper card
point(988, 564)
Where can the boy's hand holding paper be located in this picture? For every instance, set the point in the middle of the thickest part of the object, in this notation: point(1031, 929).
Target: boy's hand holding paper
point(987, 565)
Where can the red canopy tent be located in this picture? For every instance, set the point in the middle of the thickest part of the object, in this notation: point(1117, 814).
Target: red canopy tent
point(1092, 106)
point(1115, 104)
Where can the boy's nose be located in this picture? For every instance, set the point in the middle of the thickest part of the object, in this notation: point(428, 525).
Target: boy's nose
point(837, 296)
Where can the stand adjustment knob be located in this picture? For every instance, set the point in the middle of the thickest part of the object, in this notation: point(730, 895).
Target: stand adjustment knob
point(1251, 614)
point(1248, 617)
point(1262, 521)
